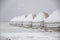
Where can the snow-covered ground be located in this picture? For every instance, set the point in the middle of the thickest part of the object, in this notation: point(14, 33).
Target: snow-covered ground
point(30, 36)
point(8, 32)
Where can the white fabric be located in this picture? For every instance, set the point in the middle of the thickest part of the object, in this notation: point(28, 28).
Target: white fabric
point(54, 17)
point(39, 17)
point(39, 20)
point(13, 21)
point(52, 21)
point(28, 20)
point(22, 18)
point(18, 20)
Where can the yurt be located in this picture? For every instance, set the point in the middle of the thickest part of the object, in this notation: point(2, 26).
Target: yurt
point(28, 21)
point(38, 22)
point(52, 23)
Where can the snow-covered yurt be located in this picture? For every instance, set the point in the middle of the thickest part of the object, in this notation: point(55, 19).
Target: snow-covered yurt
point(53, 21)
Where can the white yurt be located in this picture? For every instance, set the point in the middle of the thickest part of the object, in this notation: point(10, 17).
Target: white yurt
point(13, 21)
point(28, 21)
point(21, 20)
point(18, 20)
point(38, 22)
point(52, 23)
